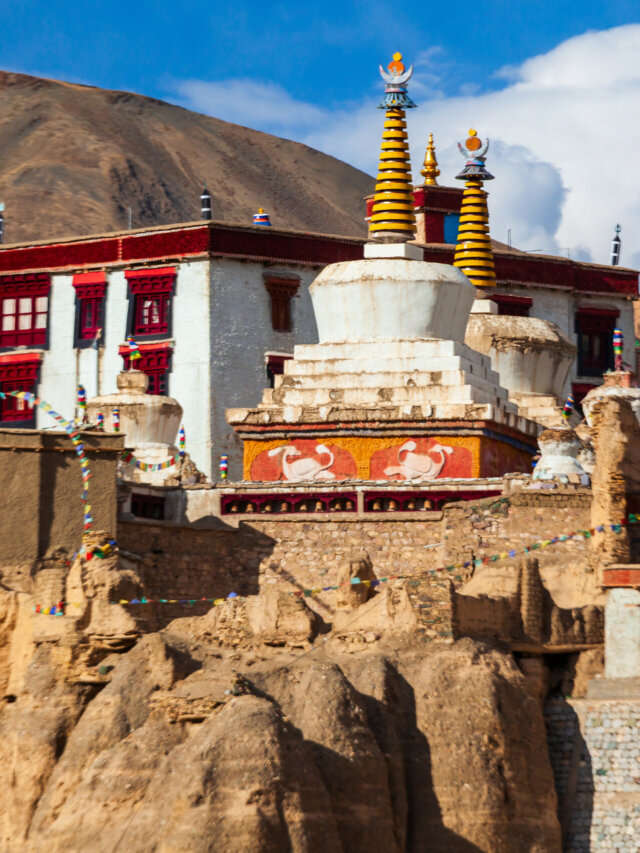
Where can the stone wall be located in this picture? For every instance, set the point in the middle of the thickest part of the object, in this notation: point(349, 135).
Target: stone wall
point(595, 755)
point(180, 561)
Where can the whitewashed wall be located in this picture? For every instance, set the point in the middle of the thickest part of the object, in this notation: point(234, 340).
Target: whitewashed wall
point(190, 377)
point(241, 333)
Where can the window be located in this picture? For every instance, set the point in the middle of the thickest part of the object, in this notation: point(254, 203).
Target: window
point(90, 292)
point(24, 309)
point(594, 328)
point(515, 306)
point(155, 362)
point(151, 291)
point(281, 291)
point(147, 506)
point(274, 362)
point(18, 372)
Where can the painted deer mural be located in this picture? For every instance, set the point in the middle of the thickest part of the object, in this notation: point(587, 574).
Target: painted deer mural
point(305, 468)
point(419, 466)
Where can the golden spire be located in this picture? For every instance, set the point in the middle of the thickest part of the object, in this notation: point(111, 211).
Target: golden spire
point(392, 217)
point(474, 255)
point(430, 169)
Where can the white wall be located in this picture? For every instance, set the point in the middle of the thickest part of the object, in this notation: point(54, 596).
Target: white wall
point(190, 377)
point(241, 333)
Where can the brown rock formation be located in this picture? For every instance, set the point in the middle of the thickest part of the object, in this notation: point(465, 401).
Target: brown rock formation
point(193, 744)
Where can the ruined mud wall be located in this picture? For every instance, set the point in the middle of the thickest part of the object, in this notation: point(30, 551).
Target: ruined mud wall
point(40, 484)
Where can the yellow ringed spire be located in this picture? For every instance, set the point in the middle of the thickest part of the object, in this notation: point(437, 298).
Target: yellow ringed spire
point(474, 255)
point(392, 216)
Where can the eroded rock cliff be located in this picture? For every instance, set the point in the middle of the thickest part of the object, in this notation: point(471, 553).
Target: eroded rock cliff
point(211, 735)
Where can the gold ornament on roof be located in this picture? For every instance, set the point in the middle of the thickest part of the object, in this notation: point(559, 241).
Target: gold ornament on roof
point(430, 169)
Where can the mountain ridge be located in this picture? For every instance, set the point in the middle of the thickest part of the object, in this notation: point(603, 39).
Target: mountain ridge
point(74, 158)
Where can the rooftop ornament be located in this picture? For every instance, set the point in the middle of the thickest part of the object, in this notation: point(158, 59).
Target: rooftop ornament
point(430, 169)
point(261, 218)
point(392, 217)
point(474, 255)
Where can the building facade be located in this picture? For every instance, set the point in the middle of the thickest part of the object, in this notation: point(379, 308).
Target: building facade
point(215, 309)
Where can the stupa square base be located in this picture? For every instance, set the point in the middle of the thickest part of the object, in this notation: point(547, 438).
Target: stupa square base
point(470, 450)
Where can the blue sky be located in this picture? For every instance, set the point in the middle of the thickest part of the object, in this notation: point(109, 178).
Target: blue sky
point(553, 83)
point(323, 53)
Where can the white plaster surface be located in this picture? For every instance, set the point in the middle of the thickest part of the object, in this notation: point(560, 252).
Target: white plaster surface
point(240, 333)
point(622, 634)
point(386, 299)
point(393, 250)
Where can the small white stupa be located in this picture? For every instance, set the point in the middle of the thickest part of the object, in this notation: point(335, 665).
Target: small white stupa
point(149, 422)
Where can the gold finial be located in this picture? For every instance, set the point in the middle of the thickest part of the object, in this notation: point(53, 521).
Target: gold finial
point(430, 170)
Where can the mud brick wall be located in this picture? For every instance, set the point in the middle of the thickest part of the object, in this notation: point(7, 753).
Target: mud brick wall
point(187, 562)
point(595, 756)
point(476, 528)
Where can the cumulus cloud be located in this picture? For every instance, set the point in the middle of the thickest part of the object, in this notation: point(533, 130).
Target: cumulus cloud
point(564, 128)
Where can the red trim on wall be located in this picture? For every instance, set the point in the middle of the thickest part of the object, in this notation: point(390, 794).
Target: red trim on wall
point(593, 311)
point(22, 366)
point(60, 255)
point(20, 357)
point(27, 284)
point(316, 249)
point(187, 241)
point(90, 285)
point(508, 299)
point(149, 271)
point(124, 350)
point(148, 281)
point(621, 577)
point(155, 362)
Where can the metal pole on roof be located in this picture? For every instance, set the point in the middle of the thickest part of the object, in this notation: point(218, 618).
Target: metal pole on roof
point(1, 221)
point(616, 246)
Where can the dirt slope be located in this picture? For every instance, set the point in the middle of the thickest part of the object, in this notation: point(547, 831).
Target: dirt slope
point(74, 158)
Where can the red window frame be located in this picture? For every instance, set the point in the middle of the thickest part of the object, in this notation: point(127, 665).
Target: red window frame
point(154, 361)
point(24, 309)
point(151, 290)
point(281, 291)
point(90, 292)
point(18, 372)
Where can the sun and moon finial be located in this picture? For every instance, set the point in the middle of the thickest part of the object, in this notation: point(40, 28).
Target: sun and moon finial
point(430, 169)
point(476, 153)
point(396, 78)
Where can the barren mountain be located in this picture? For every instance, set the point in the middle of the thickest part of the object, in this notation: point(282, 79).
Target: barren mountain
point(74, 158)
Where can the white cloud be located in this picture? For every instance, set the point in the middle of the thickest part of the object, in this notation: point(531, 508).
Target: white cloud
point(565, 129)
point(266, 106)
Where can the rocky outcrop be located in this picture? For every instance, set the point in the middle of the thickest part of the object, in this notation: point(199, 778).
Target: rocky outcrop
point(194, 743)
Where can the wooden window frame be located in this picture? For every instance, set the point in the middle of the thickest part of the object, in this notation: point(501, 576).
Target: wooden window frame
point(154, 361)
point(281, 291)
point(18, 372)
point(20, 298)
point(151, 287)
